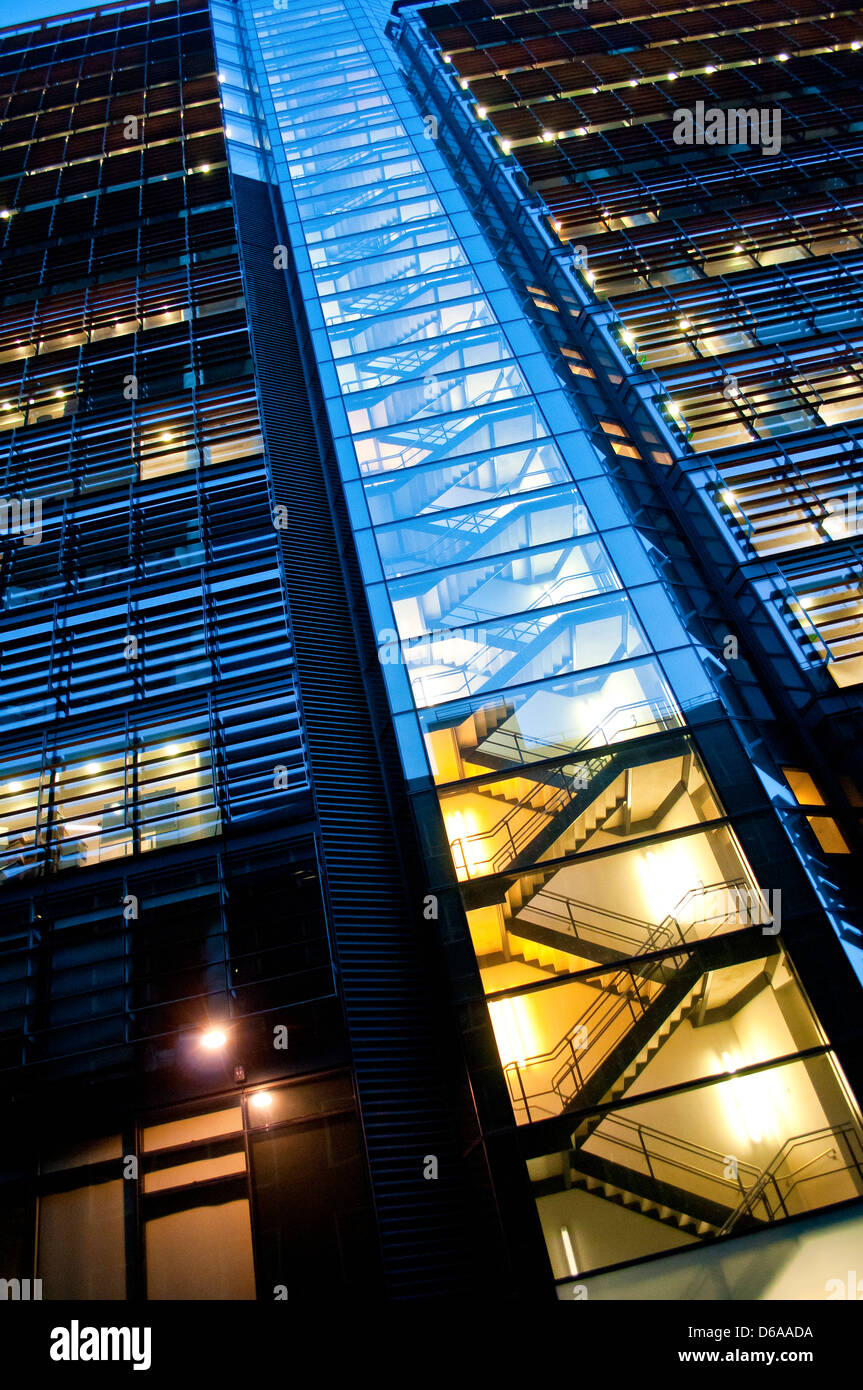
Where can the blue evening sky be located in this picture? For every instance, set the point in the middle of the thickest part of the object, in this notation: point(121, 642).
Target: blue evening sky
point(20, 11)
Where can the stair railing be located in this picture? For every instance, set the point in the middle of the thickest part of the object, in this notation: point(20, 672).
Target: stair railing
point(482, 660)
point(663, 715)
point(659, 973)
point(695, 1160)
point(526, 826)
point(768, 1189)
point(603, 584)
point(593, 1024)
point(529, 829)
point(655, 935)
point(623, 993)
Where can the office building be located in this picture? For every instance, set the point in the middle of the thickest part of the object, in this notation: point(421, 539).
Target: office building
point(431, 785)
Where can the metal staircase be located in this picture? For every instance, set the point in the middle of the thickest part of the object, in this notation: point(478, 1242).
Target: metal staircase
point(677, 997)
point(547, 814)
point(679, 1183)
point(540, 646)
point(687, 1186)
point(609, 1044)
point(498, 747)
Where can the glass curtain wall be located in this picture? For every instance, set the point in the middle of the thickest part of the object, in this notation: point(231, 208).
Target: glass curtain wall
point(140, 588)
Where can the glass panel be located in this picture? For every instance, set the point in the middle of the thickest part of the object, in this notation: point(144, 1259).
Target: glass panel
point(613, 907)
point(548, 720)
point(395, 239)
point(196, 1170)
point(436, 394)
point(56, 1160)
point(367, 194)
point(381, 167)
point(89, 820)
point(392, 269)
point(320, 156)
point(429, 542)
point(181, 1132)
point(436, 323)
point(433, 358)
point(448, 666)
point(21, 791)
point(201, 1253)
point(348, 226)
point(473, 593)
point(176, 788)
point(315, 1224)
point(549, 812)
point(735, 1155)
point(410, 445)
point(81, 1250)
point(569, 1043)
point(464, 483)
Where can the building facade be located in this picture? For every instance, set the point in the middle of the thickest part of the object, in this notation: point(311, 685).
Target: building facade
point(431, 785)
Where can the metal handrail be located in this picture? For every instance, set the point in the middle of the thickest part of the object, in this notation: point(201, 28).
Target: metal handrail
point(655, 930)
point(587, 741)
point(769, 1174)
point(573, 1069)
point(609, 1008)
point(573, 1066)
point(604, 584)
point(561, 797)
point(647, 1132)
point(479, 662)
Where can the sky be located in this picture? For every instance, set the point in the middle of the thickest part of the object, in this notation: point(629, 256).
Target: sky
point(20, 11)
